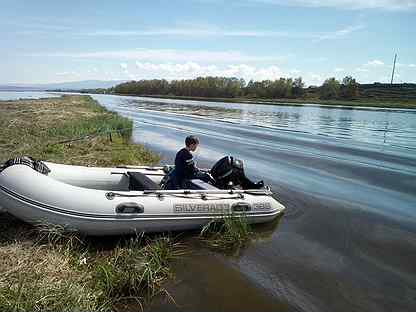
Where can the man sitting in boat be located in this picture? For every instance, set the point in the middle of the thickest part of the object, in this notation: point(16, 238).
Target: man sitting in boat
point(227, 173)
point(185, 168)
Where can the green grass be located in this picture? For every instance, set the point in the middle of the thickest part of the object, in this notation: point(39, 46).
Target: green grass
point(228, 233)
point(136, 269)
point(26, 294)
point(49, 268)
point(95, 125)
point(59, 270)
point(71, 130)
point(39, 274)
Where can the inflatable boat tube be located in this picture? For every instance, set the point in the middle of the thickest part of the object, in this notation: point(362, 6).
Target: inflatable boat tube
point(113, 201)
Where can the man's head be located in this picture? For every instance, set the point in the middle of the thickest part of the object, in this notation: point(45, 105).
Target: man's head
point(191, 143)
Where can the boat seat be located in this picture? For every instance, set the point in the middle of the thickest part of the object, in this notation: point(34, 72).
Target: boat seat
point(201, 185)
point(140, 182)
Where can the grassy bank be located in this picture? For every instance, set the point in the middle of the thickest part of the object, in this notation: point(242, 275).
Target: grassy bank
point(44, 268)
point(382, 103)
point(44, 129)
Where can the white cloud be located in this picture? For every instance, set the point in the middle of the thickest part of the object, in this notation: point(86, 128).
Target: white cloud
point(186, 70)
point(92, 70)
point(295, 71)
point(168, 55)
point(362, 70)
point(214, 31)
point(405, 65)
point(339, 33)
point(338, 70)
point(346, 4)
point(314, 79)
point(123, 66)
point(191, 31)
point(63, 73)
point(374, 63)
point(320, 59)
point(67, 73)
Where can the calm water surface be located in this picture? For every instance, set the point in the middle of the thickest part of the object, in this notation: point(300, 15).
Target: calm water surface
point(16, 95)
point(392, 127)
point(347, 241)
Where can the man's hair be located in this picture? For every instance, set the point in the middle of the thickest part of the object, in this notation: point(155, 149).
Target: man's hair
point(191, 140)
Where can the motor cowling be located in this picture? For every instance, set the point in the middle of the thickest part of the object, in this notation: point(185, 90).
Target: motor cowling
point(229, 172)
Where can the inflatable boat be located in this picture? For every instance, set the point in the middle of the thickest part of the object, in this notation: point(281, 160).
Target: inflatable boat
point(124, 200)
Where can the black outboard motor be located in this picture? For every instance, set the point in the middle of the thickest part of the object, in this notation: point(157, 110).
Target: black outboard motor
point(230, 169)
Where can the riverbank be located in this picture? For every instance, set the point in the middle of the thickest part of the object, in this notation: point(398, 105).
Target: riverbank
point(345, 241)
point(403, 104)
point(44, 268)
point(70, 129)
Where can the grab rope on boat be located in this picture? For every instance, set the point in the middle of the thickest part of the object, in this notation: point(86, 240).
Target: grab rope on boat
point(185, 193)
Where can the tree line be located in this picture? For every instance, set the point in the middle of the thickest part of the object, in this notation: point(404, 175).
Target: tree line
point(223, 87)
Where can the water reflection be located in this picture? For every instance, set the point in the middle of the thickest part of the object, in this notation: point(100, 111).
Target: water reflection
point(12, 95)
point(376, 126)
point(347, 190)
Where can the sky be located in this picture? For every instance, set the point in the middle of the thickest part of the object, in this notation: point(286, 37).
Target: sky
point(60, 41)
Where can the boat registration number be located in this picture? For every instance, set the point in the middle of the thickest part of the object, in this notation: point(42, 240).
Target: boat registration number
point(216, 208)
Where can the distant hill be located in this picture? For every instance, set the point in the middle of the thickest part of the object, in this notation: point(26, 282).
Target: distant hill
point(17, 88)
point(403, 91)
point(73, 85)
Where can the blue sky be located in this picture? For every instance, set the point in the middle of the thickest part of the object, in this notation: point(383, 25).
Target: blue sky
point(57, 41)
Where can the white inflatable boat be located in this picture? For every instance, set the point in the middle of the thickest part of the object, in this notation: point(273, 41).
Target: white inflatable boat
point(109, 201)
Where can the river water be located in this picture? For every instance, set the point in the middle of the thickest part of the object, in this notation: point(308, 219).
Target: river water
point(347, 241)
point(347, 176)
point(16, 95)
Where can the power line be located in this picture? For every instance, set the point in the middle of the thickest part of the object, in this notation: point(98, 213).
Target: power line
point(394, 67)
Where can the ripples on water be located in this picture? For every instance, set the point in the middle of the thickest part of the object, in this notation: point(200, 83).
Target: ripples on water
point(10, 95)
point(395, 127)
point(348, 180)
point(347, 241)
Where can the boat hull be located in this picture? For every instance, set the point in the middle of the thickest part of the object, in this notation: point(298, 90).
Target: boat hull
point(37, 198)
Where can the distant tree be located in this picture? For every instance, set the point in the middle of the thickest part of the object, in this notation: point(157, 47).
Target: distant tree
point(330, 89)
point(349, 88)
point(278, 88)
point(242, 83)
point(298, 87)
point(214, 87)
point(249, 89)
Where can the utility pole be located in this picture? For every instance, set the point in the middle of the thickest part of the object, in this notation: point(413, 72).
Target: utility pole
point(394, 66)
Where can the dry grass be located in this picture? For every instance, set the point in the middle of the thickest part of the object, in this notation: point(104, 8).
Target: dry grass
point(50, 269)
point(34, 127)
point(45, 268)
point(44, 277)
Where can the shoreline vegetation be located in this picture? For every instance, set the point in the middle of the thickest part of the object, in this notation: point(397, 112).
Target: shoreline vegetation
point(295, 102)
point(347, 92)
point(45, 268)
point(71, 129)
